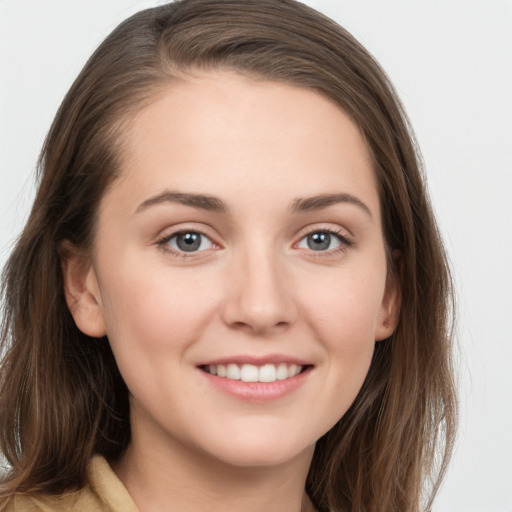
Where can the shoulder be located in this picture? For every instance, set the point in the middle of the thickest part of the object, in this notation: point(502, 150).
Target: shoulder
point(42, 503)
point(105, 493)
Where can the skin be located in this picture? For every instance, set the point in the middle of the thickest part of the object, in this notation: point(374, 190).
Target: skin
point(255, 288)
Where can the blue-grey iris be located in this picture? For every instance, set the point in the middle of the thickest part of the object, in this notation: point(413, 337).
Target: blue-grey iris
point(188, 242)
point(319, 241)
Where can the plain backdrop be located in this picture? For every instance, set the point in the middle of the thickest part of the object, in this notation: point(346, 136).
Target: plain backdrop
point(451, 61)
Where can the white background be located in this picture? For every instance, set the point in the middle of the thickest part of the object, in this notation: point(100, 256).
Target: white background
point(451, 61)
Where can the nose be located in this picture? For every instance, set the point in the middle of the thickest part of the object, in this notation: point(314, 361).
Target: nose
point(259, 296)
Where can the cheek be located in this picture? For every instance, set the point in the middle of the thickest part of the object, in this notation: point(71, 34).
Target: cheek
point(345, 312)
point(150, 325)
point(343, 315)
point(152, 312)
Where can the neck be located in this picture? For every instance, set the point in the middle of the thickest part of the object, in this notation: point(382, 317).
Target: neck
point(170, 476)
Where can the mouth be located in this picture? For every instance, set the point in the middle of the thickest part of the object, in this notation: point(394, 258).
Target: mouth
point(265, 373)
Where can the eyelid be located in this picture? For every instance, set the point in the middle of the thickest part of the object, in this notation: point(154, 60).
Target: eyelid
point(163, 240)
point(345, 237)
point(319, 227)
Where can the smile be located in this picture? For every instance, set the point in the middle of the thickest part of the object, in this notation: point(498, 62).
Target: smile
point(254, 373)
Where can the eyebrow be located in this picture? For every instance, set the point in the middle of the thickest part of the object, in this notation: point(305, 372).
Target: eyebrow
point(214, 204)
point(200, 201)
point(325, 200)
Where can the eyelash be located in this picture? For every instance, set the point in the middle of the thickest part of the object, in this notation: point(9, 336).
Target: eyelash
point(162, 243)
point(345, 243)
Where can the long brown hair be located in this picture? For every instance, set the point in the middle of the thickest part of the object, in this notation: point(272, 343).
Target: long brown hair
point(62, 398)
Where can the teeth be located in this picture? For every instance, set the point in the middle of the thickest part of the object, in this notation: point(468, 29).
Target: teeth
point(249, 373)
point(253, 373)
point(267, 373)
point(282, 372)
point(212, 369)
point(293, 370)
point(233, 372)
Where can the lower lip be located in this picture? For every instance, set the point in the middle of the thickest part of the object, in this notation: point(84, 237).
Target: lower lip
point(258, 391)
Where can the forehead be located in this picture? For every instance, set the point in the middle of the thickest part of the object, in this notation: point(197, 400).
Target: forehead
point(221, 133)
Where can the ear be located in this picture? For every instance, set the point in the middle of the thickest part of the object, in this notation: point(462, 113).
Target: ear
point(389, 313)
point(82, 291)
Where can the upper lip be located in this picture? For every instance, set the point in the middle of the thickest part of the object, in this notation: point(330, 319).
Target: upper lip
point(256, 360)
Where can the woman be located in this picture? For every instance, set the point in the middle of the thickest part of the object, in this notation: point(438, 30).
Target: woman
point(231, 291)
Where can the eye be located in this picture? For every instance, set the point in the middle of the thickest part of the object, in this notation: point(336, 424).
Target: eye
point(324, 240)
point(186, 242)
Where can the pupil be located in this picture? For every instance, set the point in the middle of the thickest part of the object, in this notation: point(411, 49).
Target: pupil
point(319, 241)
point(188, 241)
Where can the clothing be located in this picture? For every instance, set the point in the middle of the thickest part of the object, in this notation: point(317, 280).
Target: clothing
point(105, 493)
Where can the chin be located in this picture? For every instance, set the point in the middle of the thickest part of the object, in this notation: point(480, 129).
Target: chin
point(246, 451)
point(264, 458)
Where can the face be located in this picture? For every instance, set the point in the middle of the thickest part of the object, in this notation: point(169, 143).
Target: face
point(239, 269)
